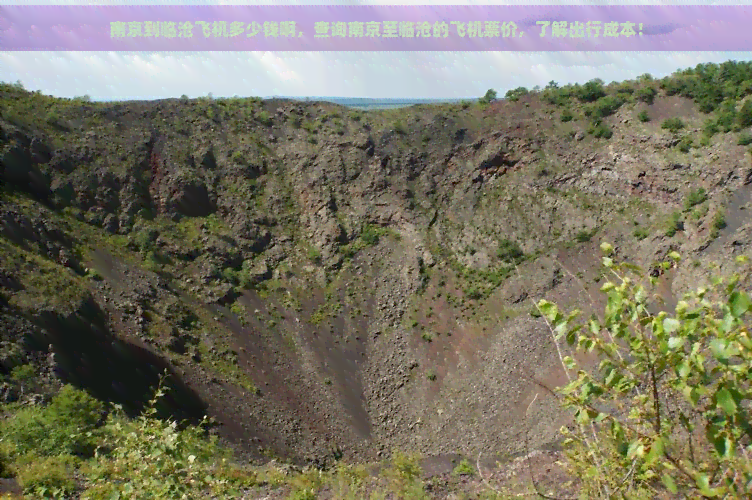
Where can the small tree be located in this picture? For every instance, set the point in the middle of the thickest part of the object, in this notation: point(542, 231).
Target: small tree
point(490, 96)
point(745, 114)
point(672, 125)
point(667, 409)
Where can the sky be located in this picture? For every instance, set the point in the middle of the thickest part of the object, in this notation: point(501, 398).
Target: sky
point(437, 75)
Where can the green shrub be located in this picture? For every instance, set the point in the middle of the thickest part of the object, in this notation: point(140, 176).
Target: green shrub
point(744, 117)
point(695, 197)
point(646, 94)
point(515, 94)
point(685, 144)
point(584, 235)
point(668, 403)
point(47, 477)
point(591, 91)
point(567, 116)
point(674, 224)
point(672, 124)
point(641, 233)
point(302, 494)
point(600, 130)
point(264, 118)
point(718, 223)
point(510, 251)
point(643, 116)
point(744, 139)
point(603, 107)
point(65, 426)
point(464, 468)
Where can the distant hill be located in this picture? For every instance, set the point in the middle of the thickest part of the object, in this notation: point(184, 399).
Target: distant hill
point(369, 103)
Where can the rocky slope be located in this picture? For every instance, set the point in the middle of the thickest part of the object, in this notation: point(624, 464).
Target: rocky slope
point(330, 283)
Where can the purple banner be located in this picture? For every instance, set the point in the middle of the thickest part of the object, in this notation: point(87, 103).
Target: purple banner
point(376, 28)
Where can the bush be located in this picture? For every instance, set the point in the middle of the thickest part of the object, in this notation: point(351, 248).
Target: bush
point(65, 426)
point(510, 251)
point(591, 91)
point(464, 468)
point(685, 144)
point(515, 94)
point(604, 107)
point(646, 94)
point(674, 224)
point(672, 124)
point(641, 233)
point(745, 139)
point(667, 406)
point(745, 114)
point(584, 235)
point(643, 116)
point(47, 477)
point(599, 130)
point(566, 116)
point(695, 198)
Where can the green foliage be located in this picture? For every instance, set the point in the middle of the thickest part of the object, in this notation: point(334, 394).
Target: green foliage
point(603, 107)
point(302, 494)
point(641, 233)
point(490, 96)
point(66, 426)
point(567, 116)
point(695, 197)
point(585, 235)
point(666, 409)
point(264, 118)
point(744, 117)
point(47, 477)
point(464, 468)
point(510, 251)
point(646, 94)
point(674, 224)
point(685, 144)
point(600, 130)
point(557, 96)
point(672, 124)
point(591, 91)
point(515, 94)
point(718, 223)
point(23, 373)
point(744, 139)
point(643, 116)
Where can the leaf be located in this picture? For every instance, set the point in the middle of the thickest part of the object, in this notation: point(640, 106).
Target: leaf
point(674, 256)
point(607, 248)
point(703, 484)
point(608, 262)
point(656, 451)
point(670, 325)
point(739, 303)
point(675, 342)
point(670, 484)
point(725, 401)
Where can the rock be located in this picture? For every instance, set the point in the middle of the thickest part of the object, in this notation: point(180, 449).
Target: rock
point(580, 135)
point(189, 196)
point(17, 167)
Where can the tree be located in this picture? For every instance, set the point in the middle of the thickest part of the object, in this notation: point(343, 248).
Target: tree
point(490, 96)
point(667, 408)
point(745, 114)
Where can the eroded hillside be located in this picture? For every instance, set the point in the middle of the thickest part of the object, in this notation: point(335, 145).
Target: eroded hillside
point(329, 283)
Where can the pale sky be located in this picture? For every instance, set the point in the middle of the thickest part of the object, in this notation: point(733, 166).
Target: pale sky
point(153, 75)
